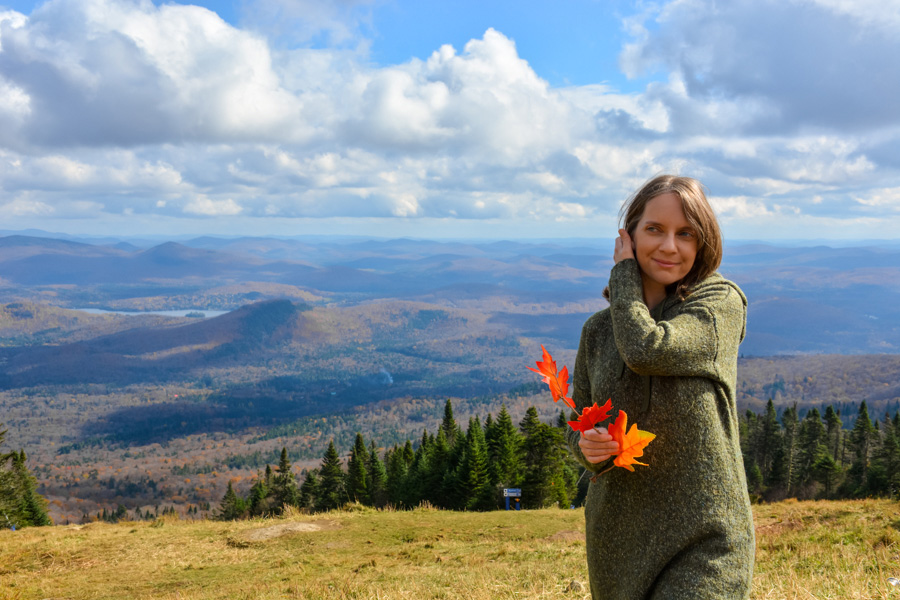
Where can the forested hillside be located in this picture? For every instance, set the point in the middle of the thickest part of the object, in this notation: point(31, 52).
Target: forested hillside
point(325, 340)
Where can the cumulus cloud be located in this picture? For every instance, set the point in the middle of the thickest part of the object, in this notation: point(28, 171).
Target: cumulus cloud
point(786, 65)
point(128, 108)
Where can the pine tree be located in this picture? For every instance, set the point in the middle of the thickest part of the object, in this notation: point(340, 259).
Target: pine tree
point(544, 463)
point(451, 429)
point(438, 466)
point(783, 473)
point(357, 477)
point(284, 486)
point(332, 492)
point(232, 506)
point(812, 447)
point(861, 442)
point(258, 500)
point(20, 503)
point(473, 481)
point(309, 490)
point(377, 476)
point(833, 432)
point(769, 440)
point(504, 449)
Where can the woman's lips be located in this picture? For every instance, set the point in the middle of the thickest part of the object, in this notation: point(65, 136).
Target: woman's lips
point(665, 264)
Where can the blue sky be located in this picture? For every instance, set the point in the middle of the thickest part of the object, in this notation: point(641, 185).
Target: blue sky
point(446, 119)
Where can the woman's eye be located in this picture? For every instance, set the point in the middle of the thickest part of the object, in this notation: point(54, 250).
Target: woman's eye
point(687, 234)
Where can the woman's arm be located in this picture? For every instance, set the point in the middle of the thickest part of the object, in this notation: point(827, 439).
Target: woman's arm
point(685, 345)
point(596, 446)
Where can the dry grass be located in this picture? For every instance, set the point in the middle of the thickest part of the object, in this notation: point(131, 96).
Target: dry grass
point(834, 550)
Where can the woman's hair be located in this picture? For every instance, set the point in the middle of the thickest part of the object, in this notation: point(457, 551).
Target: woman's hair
point(698, 213)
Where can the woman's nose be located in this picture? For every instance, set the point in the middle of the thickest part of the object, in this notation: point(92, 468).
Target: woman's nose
point(668, 243)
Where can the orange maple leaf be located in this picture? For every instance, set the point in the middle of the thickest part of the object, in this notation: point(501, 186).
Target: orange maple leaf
point(590, 416)
point(558, 382)
point(631, 445)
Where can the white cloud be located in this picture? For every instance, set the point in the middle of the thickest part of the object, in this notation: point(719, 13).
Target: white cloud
point(202, 205)
point(883, 198)
point(122, 107)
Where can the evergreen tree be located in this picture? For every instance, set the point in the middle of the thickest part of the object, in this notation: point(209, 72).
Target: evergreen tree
point(357, 476)
point(451, 429)
point(332, 492)
point(827, 472)
point(769, 441)
point(258, 500)
point(438, 466)
point(544, 463)
point(232, 506)
point(20, 503)
point(783, 473)
point(812, 447)
point(473, 480)
point(505, 451)
point(377, 477)
point(833, 433)
point(883, 471)
point(284, 486)
point(309, 490)
point(862, 444)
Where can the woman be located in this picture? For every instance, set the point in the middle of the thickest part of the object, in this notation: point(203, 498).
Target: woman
point(665, 352)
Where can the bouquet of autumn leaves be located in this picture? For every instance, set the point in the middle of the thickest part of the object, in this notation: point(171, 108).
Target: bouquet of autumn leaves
point(631, 444)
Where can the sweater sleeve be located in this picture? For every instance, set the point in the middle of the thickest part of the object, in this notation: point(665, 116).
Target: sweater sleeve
point(581, 396)
point(685, 345)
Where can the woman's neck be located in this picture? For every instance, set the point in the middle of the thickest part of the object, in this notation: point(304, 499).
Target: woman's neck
point(654, 293)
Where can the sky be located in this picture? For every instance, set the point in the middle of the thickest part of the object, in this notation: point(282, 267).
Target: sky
point(438, 119)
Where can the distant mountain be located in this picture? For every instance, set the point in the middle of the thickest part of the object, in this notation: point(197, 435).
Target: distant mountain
point(157, 353)
point(817, 299)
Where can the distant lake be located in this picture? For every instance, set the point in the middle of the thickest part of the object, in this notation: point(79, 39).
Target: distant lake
point(168, 313)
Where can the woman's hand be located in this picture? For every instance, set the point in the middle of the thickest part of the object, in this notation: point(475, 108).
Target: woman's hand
point(624, 247)
point(597, 445)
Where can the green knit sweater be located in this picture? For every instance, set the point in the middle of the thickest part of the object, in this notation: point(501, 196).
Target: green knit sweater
point(681, 527)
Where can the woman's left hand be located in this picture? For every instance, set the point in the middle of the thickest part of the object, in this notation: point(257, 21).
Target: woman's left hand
point(624, 247)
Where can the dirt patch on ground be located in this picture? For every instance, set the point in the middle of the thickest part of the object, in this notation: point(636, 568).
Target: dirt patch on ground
point(274, 531)
point(567, 536)
point(261, 534)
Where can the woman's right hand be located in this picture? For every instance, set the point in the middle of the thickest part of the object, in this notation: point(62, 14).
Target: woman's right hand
point(597, 445)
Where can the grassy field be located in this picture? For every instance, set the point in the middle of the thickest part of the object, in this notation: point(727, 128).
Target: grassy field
point(836, 550)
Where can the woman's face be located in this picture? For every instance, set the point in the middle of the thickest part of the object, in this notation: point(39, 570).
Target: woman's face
point(665, 243)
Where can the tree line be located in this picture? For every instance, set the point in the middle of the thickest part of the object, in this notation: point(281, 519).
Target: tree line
point(813, 456)
point(450, 468)
point(20, 503)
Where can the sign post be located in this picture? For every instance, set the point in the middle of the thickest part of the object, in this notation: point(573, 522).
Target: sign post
point(512, 493)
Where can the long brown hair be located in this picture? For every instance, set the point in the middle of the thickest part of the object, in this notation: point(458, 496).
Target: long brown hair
point(697, 211)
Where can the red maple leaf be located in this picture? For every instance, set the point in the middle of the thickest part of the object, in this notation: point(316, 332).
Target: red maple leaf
point(590, 416)
point(631, 444)
point(558, 381)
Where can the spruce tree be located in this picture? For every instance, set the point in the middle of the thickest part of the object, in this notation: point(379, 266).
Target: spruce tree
point(451, 429)
point(20, 503)
point(544, 463)
point(377, 477)
point(812, 446)
point(332, 492)
point(438, 466)
point(769, 441)
point(309, 490)
point(284, 486)
point(862, 444)
point(504, 450)
point(833, 432)
point(232, 506)
point(259, 500)
point(475, 490)
point(357, 477)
